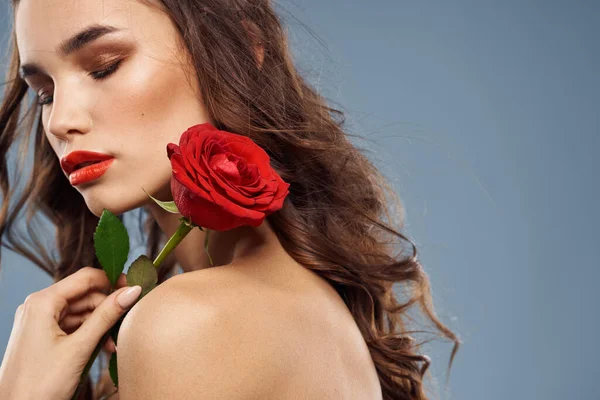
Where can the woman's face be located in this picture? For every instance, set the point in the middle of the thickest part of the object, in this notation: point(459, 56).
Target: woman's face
point(123, 91)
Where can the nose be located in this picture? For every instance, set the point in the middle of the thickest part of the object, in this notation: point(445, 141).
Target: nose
point(68, 115)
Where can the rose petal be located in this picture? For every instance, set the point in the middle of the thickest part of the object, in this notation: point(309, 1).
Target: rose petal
point(172, 148)
point(193, 161)
point(227, 167)
point(225, 190)
point(223, 180)
point(247, 214)
point(251, 152)
point(183, 178)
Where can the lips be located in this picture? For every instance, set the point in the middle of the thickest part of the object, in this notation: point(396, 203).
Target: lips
point(81, 158)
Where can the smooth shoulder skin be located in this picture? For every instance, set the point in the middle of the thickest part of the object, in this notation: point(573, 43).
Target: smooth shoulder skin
point(243, 333)
point(184, 342)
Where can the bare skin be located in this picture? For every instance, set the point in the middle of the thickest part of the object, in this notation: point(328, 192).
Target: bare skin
point(55, 332)
point(131, 114)
point(281, 298)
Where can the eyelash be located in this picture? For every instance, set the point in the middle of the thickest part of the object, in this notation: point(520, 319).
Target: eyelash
point(97, 75)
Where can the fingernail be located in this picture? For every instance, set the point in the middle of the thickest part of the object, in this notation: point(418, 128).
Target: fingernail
point(129, 296)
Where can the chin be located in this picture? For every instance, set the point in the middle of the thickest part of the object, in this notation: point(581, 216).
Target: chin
point(117, 208)
point(116, 201)
point(121, 199)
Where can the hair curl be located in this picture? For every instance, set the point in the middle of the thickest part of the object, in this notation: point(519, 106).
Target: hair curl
point(336, 220)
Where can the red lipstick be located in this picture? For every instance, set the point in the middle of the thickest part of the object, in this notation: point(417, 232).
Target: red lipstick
point(85, 166)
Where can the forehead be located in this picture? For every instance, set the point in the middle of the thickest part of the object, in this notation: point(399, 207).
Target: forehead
point(40, 25)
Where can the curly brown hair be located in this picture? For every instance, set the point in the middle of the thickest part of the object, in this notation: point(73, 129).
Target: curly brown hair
point(336, 221)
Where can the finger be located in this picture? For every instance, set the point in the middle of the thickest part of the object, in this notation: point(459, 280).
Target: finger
point(79, 283)
point(90, 301)
point(87, 279)
point(107, 314)
point(86, 303)
point(71, 322)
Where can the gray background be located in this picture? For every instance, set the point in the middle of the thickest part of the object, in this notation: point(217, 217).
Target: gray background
point(485, 115)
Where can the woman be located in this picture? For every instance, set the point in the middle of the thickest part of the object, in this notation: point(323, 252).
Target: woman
point(300, 307)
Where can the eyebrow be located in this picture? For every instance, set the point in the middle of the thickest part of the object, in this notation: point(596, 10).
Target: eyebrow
point(73, 44)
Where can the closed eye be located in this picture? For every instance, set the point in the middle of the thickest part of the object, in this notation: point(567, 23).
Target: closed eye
point(96, 75)
point(99, 75)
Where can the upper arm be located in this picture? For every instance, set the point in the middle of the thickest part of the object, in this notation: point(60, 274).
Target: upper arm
point(173, 345)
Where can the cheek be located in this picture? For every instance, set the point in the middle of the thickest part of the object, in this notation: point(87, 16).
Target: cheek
point(141, 92)
point(154, 103)
point(58, 146)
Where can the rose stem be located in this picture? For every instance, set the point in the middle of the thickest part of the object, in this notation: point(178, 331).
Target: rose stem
point(177, 237)
point(206, 247)
point(89, 364)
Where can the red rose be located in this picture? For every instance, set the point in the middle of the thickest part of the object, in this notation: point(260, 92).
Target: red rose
point(222, 180)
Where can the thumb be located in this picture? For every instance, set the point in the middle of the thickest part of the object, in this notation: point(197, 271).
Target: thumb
point(108, 313)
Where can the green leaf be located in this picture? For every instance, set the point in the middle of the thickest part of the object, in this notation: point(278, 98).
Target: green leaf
point(112, 369)
point(142, 272)
point(169, 206)
point(111, 242)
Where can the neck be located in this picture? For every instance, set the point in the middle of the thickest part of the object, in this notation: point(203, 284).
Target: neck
point(244, 242)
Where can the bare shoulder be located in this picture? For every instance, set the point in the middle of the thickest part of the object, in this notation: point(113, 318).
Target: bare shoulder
point(194, 337)
point(241, 332)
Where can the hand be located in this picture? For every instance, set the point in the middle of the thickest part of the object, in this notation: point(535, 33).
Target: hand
point(55, 332)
